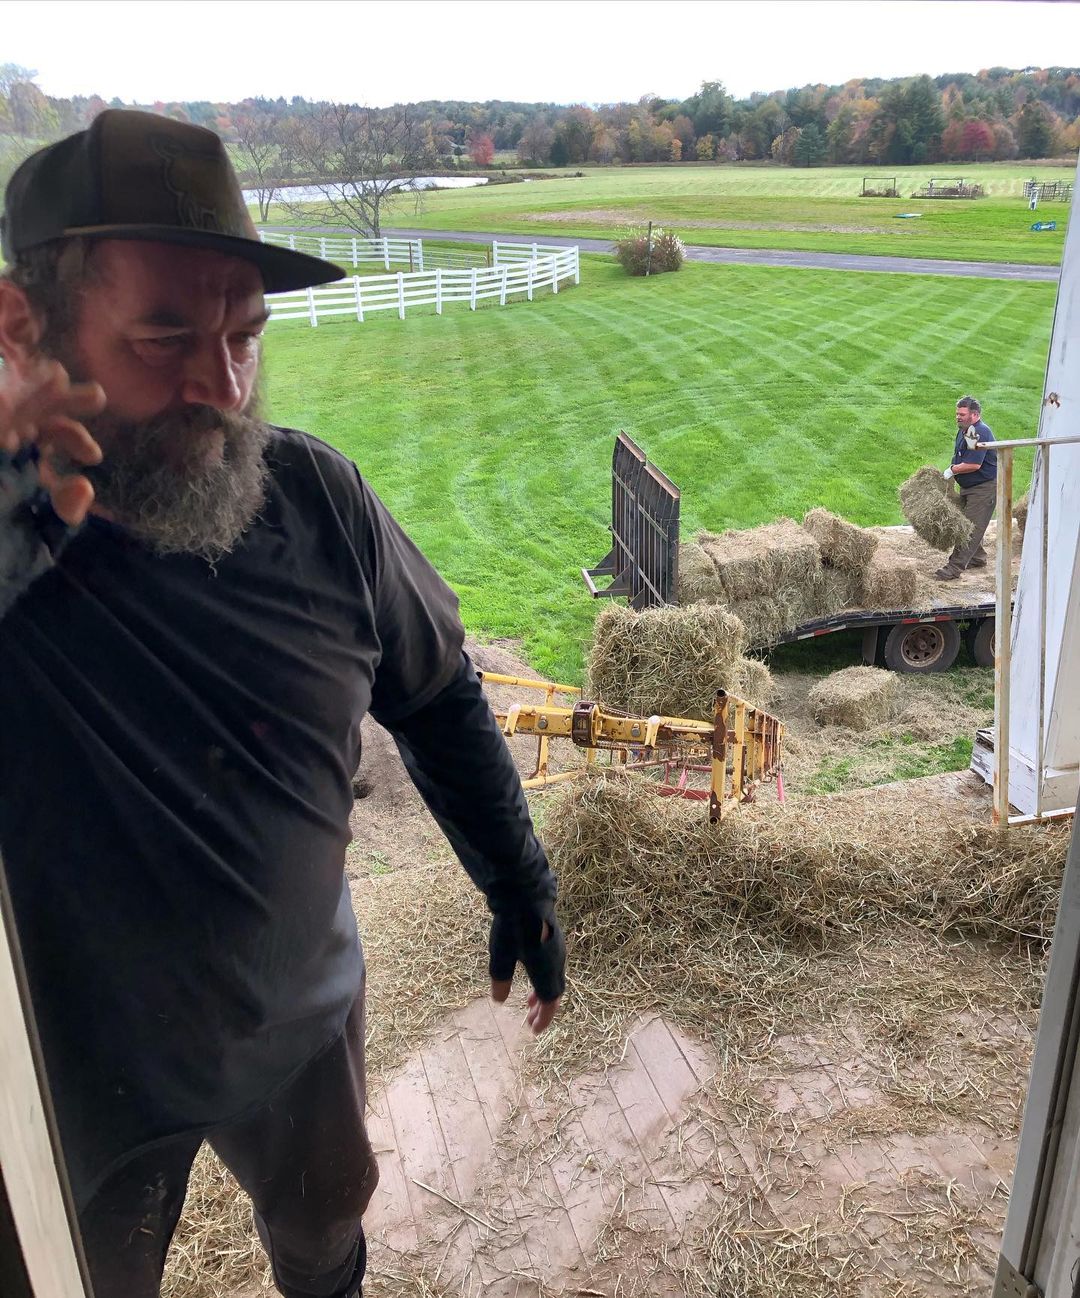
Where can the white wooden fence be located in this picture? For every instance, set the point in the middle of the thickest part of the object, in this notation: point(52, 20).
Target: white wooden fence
point(513, 275)
point(353, 250)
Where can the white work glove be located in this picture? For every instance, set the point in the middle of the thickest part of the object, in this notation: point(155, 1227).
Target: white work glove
point(948, 474)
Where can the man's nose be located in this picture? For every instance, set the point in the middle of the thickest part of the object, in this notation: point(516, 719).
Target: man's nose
point(211, 379)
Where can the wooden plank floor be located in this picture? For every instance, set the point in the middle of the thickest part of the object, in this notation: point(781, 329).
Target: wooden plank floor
point(491, 1189)
point(508, 1192)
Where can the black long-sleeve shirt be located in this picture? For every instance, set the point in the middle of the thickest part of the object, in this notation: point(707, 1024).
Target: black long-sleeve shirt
point(176, 749)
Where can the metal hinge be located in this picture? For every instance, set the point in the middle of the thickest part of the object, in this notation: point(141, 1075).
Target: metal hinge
point(1009, 1283)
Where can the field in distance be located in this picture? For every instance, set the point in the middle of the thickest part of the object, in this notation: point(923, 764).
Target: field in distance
point(737, 206)
point(760, 391)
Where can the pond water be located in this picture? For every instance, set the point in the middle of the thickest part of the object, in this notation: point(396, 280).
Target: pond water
point(311, 193)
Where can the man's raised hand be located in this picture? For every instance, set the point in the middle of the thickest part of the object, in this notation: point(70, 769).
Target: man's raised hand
point(40, 408)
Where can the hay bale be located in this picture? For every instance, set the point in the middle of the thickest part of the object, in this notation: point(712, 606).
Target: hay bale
point(843, 545)
point(857, 697)
point(930, 506)
point(766, 620)
point(762, 560)
point(671, 661)
point(889, 582)
point(698, 579)
point(756, 684)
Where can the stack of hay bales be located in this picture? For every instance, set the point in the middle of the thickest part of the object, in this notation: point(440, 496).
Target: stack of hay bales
point(857, 697)
point(775, 578)
point(930, 506)
point(875, 578)
point(843, 545)
point(671, 661)
point(767, 576)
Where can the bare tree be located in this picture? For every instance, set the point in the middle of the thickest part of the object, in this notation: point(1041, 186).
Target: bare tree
point(263, 162)
point(358, 160)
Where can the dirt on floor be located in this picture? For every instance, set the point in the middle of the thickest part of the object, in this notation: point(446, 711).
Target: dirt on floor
point(862, 1151)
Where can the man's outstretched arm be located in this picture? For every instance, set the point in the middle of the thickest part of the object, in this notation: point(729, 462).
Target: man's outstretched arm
point(457, 758)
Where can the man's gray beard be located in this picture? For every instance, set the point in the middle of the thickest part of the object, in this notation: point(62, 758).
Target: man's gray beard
point(155, 481)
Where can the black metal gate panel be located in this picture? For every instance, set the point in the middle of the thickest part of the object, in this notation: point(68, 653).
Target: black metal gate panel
point(643, 562)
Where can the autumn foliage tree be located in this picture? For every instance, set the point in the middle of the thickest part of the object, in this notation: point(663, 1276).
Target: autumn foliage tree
point(481, 149)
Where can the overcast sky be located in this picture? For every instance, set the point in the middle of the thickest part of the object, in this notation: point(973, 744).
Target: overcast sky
point(379, 52)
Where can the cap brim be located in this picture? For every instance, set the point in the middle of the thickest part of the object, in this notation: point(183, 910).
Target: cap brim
point(283, 270)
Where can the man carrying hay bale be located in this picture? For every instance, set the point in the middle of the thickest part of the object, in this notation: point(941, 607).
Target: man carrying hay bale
point(975, 473)
point(197, 609)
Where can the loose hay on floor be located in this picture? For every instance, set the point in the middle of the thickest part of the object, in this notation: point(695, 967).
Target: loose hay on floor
point(857, 697)
point(653, 872)
point(671, 661)
point(830, 915)
point(930, 506)
point(843, 545)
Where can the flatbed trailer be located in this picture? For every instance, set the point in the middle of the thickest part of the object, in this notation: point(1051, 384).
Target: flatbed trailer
point(642, 567)
point(910, 641)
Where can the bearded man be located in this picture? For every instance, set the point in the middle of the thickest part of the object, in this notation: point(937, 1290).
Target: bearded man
point(196, 611)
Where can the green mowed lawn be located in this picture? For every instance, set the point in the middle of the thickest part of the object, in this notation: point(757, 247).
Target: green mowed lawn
point(761, 392)
point(812, 209)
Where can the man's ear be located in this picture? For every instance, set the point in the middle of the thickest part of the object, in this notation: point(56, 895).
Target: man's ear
point(20, 327)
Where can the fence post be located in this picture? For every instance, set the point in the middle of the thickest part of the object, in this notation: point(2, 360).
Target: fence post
point(472, 291)
point(359, 299)
point(386, 253)
point(495, 252)
point(322, 248)
point(292, 240)
point(502, 287)
point(411, 266)
point(355, 258)
point(400, 295)
point(313, 315)
point(577, 265)
point(535, 253)
point(555, 274)
point(529, 279)
point(438, 290)
point(420, 252)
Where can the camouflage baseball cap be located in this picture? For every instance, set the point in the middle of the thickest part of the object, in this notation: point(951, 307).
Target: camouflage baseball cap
point(133, 175)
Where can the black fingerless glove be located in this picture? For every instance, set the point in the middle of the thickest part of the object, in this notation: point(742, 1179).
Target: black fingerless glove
point(516, 936)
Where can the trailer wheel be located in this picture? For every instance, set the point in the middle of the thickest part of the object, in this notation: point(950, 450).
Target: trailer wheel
point(982, 642)
point(922, 647)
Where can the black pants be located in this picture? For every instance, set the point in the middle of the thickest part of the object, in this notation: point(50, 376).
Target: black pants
point(304, 1159)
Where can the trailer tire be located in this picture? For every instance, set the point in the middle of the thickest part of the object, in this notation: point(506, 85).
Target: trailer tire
point(982, 642)
point(922, 647)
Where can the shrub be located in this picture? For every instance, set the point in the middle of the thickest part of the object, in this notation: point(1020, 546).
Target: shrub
point(634, 256)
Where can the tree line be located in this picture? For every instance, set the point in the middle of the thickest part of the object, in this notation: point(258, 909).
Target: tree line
point(358, 155)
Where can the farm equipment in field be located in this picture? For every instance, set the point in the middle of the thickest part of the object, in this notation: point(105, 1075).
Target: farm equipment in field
point(739, 749)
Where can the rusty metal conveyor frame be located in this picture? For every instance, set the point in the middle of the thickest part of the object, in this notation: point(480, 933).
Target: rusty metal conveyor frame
point(739, 749)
